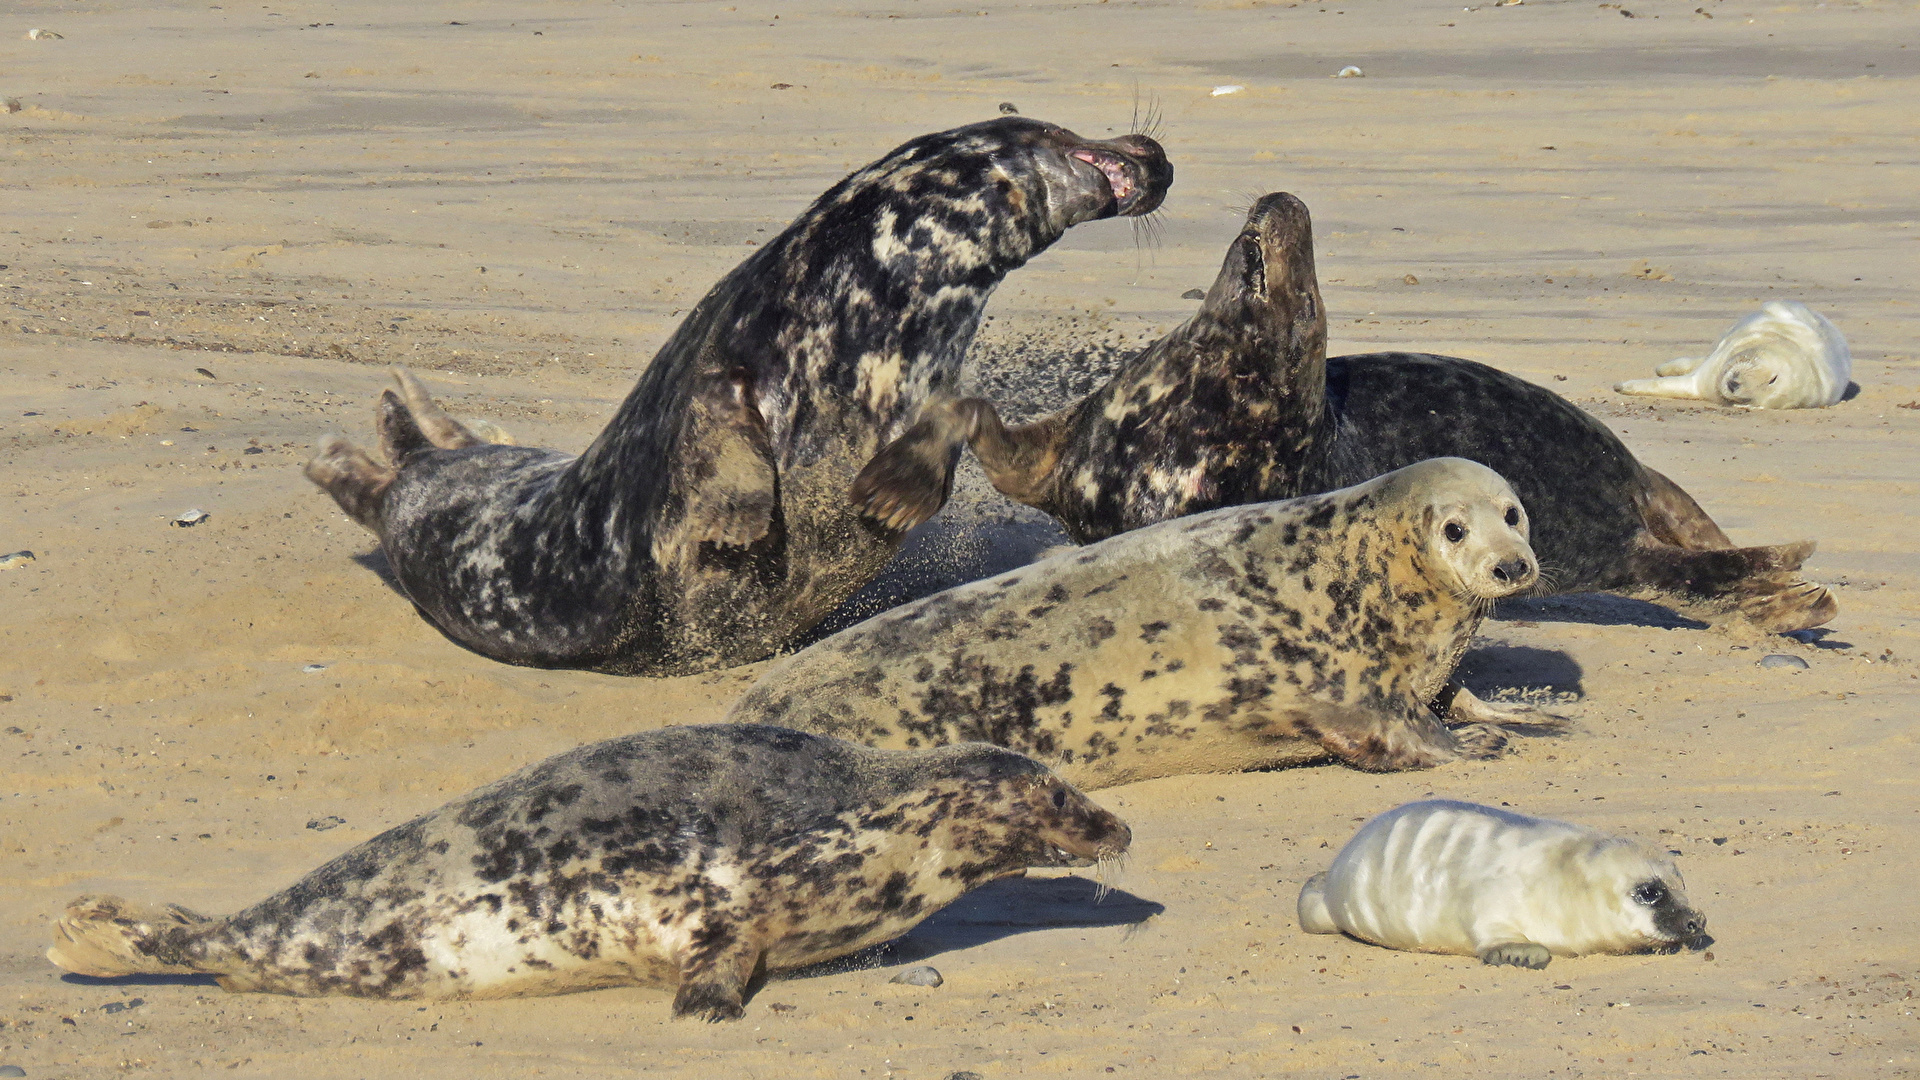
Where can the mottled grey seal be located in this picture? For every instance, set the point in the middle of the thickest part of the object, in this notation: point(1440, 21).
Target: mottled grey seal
point(709, 523)
point(1242, 405)
point(1243, 638)
point(1784, 356)
point(695, 857)
point(1456, 877)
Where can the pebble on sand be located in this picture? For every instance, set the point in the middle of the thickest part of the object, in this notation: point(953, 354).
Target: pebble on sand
point(12, 1070)
point(191, 518)
point(37, 34)
point(1782, 660)
point(1194, 294)
point(1350, 72)
point(13, 559)
point(1223, 91)
point(919, 976)
point(331, 821)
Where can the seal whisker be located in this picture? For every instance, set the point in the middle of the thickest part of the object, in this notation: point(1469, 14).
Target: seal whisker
point(1107, 871)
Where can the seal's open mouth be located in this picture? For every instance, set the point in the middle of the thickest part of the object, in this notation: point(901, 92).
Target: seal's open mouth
point(1115, 169)
point(1134, 191)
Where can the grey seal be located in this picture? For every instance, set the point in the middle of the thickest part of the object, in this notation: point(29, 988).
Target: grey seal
point(1242, 638)
point(1242, 405)
point(709, 523)
point(694, 857)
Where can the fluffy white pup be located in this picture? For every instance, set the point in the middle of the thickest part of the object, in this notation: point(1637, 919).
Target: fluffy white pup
point(1784, 356)
point(1456, 877)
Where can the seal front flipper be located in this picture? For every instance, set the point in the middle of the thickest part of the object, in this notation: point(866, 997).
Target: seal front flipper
point(1517, 953)
point(1411, 737)
point(1458, 705)
point(715, 976)
point(908, 481)
point(723, 485)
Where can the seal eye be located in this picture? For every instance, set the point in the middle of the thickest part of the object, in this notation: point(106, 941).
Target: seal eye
point(1455, 532)
point(1513, 517)
point(1059, 798)
point(1649, 893)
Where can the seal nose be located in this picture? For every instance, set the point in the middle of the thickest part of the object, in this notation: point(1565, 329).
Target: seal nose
point(1513, 572)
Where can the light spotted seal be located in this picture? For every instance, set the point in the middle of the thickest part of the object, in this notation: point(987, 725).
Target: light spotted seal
point(1456, 877)
point(696, 857)
point(1784, 356)
point(1243, 638)
point(1242, 405)
point(710, 523)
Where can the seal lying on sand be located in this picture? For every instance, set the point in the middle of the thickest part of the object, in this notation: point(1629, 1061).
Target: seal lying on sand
point(1238, 639)
point(695, 857)
point(1456, 877)
point(709, 523)
point(1241, 405)
point(1784, 356)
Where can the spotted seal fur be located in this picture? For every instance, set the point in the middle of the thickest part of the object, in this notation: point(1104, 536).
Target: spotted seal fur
point(1241, 405)
point(709, 523)
point(1784, 356)
point(1243, 638)
point(696, 857)
point(1456, 877)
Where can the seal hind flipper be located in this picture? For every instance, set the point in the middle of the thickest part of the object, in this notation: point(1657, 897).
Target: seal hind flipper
point(356, 482)
point(1756, 583)
point(106, 936)
point(429, 419)
point(724, 480)
point(908, 481)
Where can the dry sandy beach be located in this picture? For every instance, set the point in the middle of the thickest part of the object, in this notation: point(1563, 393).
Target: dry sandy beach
point(220, 222)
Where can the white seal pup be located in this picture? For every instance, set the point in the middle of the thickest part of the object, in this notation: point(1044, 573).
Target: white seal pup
point(695, 857)
point(1456, 877)
point(1784, 356)
point(1244, 638)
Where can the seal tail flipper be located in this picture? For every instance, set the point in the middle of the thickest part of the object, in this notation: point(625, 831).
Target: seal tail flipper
point(1671, 515)
point(104, 936)
point(1314, 916)
point(1681, 366)
point(429, 420)
point(1673, 386)
point(356, 481)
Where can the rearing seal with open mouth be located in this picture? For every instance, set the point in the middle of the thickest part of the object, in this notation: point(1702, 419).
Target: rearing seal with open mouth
point(709, 524)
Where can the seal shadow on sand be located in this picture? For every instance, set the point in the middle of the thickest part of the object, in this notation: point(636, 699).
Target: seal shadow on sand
point(1500, 671)
point(999, 910)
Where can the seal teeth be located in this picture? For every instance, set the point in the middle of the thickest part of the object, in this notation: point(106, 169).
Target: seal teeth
point(1119, 180)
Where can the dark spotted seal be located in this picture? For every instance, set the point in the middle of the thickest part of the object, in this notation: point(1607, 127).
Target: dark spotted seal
point(1241, 405)
point(695, 857)
point(1456, 877)
point(1242, 638)
point(710, 523)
